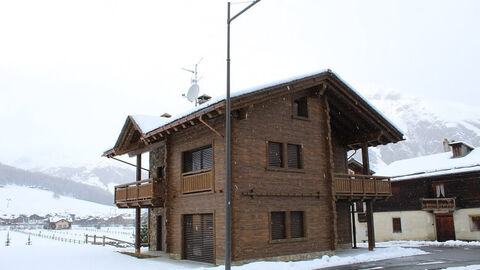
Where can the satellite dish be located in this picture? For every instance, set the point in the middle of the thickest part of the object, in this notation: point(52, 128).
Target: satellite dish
point(193, 93)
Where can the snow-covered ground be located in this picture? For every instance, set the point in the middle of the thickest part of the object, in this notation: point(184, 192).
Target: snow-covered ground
point(48, 254)
point(17, 200)
point(78, 233)
point(450, 243)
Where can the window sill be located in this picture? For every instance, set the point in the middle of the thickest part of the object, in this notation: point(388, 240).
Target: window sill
point(301, 118)
point(289, 240)
point(198, 193)
point(292, 170)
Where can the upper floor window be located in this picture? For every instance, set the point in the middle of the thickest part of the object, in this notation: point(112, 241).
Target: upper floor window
point(439, 190)
point(283, 155)
point(275, 155)
point(300, 107)
point(198, 159)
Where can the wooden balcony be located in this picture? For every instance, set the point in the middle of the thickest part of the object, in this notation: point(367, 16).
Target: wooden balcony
point(360, 187)
point(145, 193)
point(197, 181)
point(438, 204)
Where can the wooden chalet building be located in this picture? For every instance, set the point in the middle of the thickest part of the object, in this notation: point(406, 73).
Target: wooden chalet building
point(290, 189)
point(435, 197)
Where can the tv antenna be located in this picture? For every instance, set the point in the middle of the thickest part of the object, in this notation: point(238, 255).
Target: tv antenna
point(194, 89)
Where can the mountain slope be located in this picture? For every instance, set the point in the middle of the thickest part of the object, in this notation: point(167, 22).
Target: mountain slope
point(17, 200)
point(59, 186)
point(425, 124)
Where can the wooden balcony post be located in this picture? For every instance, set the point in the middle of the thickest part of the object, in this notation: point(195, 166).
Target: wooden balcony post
point(365, 161)
point(370, 226)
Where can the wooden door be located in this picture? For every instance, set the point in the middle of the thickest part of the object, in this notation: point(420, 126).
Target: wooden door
point(445, 227)
point(159, 233)
point(198, 240)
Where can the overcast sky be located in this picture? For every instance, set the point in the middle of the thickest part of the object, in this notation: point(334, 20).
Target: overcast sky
point(71, 71)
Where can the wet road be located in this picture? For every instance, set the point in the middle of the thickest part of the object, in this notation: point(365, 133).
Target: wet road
point(439, 258)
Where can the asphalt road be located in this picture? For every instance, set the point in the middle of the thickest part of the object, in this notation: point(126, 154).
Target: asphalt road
point(439, 258)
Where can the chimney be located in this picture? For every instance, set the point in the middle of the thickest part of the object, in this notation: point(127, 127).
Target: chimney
point(203, 98)
point(446, 146)
point(166, 115)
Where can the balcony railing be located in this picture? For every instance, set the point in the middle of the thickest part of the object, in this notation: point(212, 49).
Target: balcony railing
point(350, 186)
point(438, 204)
point(198, 181)
point(144, 193)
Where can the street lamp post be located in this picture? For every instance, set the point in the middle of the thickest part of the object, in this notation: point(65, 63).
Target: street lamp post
point(228, 235)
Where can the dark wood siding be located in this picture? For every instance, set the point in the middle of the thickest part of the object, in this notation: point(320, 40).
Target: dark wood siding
point(271, 121)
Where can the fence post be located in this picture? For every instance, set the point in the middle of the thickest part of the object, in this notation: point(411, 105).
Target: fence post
point(104, 240)
point(86, 238)
point(94, 239)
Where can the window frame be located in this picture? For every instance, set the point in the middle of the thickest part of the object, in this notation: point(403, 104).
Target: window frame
point(284, 156)
point(394, 228)
point(475, 224)
point(287, 226)
point(295, 112)
point(202, 169)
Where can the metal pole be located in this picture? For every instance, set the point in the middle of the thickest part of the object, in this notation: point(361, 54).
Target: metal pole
point(228, 231)
point(228, 235)
point(137, 210)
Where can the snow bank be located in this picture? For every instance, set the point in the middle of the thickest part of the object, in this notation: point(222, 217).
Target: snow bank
point(411, 243)
point(468, 267)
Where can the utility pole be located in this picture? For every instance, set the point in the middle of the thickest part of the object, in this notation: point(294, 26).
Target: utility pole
point(228, 231)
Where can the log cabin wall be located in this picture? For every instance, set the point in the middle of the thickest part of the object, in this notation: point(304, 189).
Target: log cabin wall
point(212, 202)
point(273, 121)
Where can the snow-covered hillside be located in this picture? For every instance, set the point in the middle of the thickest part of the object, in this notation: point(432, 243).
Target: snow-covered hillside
point(102, 174)
point(425, 125)
point(17, 200)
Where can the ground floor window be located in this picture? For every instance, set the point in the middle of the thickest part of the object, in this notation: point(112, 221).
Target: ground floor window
point(475, 223)
point(287, 225)
point(397, 225)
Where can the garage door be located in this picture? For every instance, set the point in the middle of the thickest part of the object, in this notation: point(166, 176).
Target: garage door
point(198, 237)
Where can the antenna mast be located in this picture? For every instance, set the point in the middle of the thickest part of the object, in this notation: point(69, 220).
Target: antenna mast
point(194, 89)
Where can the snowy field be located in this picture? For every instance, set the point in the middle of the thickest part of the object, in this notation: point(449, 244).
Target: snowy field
point(49, 254)
point(77, 234)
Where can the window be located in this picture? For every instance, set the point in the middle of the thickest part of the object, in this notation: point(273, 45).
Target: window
point(397, 225)
point(275, 154)
point(475, 223)
point(293, 156)
point(300, 107)
point(282, 155)
point(439, 190)
point(279, 225)
point(296, 224)
point(198, 159)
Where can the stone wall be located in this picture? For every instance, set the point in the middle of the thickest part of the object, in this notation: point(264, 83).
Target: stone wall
point(157, 159)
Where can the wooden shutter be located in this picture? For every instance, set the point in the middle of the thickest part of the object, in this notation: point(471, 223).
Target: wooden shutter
point(207, 158)
point(274, 154)
point(197, 160)
point(293, 156)
point(397, 225)
point(278, 225)
point(187, 161)
point(296, 224)
point(198, 238)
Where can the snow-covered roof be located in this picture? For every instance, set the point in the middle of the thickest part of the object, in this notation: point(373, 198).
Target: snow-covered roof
point(58, 218)
point(431, 165)
point(149, 123)
point(461, 142)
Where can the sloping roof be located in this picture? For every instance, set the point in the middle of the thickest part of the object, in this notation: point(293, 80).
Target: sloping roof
point(151, 128)
point(431, 165)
